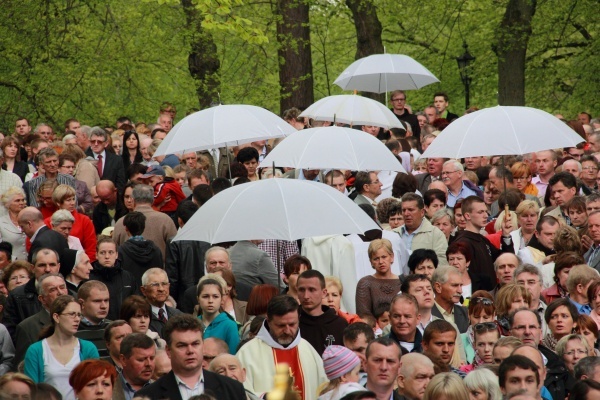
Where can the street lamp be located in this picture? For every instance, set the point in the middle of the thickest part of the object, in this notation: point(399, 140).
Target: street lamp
point(463, 66)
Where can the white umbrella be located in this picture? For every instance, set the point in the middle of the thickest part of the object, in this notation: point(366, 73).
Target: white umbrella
point(380, 73)
point(502, 130)
point(352, 110)
point(286, 209)
point(223, 125)
point(333, 147)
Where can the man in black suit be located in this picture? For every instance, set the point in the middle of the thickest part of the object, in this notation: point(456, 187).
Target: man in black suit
point(447, 286)
point(32, 223)
point(440, 102)
point(183, 334)
point(155, 288)
point(110, 209)
point(110, 166)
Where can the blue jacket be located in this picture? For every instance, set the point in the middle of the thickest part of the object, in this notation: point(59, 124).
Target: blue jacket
point(225, 328)
point(34, 358)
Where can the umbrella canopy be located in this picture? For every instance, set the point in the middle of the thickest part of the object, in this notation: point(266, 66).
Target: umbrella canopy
point(223, 125)
point(333, 147)
point(352, 110)
point(502, 130)
point(285, 209)
point(381, 73)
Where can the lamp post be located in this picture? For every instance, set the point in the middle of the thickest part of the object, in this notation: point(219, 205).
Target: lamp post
point(463, 66)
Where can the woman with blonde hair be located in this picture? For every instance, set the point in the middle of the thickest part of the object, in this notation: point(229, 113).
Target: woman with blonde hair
point(446, 386)
point(510, 298)
point(13, 200)
point(483, 384)
point(522, 177)
point(383, 285)
point(16, 385)
point(573, 348)
point(333, 299)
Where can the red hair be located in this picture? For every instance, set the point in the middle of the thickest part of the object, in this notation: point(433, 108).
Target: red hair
point(259, 298)
point(88, 370)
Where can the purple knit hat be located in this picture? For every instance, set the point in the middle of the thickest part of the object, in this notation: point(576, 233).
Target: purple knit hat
point(338, 361)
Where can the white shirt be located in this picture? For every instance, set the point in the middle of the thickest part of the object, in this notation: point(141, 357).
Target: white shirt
point(103, 154)
point(186, 391)
point(57, 374)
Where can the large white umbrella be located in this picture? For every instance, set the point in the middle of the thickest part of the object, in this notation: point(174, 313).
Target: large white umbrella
point(333, 147)
point(352, 110)
point(285, 209)
point(380, 73)
point(223, 125)
point(502, 130)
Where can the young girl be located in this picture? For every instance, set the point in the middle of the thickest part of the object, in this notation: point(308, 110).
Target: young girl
point(216, 323)
point(342, 367)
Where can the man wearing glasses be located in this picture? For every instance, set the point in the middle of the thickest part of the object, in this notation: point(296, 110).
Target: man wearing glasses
point(155, 288)
point(398, 98)
point(452, 177)
point(368, 187)
point(526, 325)
point(109, 165)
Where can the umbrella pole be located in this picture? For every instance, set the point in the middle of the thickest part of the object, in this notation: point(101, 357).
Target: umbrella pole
point(506, 210)
point(277, 262)
point(228, 161)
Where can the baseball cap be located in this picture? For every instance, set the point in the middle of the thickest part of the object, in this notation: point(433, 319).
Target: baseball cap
point(154, 170)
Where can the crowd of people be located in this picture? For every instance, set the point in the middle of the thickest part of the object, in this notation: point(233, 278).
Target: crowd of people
point(482, 282)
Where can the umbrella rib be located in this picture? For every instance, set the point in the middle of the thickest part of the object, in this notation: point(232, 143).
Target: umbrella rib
point(229, 208)
point(353, 151)
point(344, 210)
point(285, 208)
point(514, 132)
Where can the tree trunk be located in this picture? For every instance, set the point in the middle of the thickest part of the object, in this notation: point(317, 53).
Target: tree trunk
point(513, 37)
point(368, 33)
point(203, 61)
point(295, 60)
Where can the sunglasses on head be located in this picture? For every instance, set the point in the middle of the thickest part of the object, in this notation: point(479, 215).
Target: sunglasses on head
point(485, 326)
point(483, 300)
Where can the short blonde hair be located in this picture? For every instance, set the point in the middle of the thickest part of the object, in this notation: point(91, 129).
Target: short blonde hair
point(527, 205)
point(380, 244)
point(61, 193)
point(10, 193)
point(506, 296)
point(581, 274)
point(332, 280)
point(447, 385)
point(562, 344)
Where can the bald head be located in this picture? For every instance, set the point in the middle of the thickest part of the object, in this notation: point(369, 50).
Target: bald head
point(212, 348)
point(505, 266)
point(439, 185)
point(30, 219)
point(107, 192)
point(229, 366)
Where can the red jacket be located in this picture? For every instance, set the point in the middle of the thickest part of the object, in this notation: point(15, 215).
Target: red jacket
point(169, 187)
point(83, 229)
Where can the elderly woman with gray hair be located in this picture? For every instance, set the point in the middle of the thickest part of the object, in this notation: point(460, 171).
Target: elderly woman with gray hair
point(14, 201)
point(62, 222)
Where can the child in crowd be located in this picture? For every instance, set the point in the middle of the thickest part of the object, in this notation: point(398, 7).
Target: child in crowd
point(167, 192)
point(342, 367)
point(382, 317)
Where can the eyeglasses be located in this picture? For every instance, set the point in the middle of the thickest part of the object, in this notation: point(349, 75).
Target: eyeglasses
point(590, 168)
point(483, 300)
point(375, 183)
point(398, 99)
point(520, 328)
point(97, 141)
point(156, 285)
point(485, 326)
point(448, 173)
point(14, 278)
point(72, 314)
point(578, 351)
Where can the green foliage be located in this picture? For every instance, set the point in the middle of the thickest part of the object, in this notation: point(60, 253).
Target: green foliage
point(97, 60)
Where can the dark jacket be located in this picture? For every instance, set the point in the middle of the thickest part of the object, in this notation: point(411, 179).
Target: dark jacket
point(184, 265)
point(418, 339)
point(461, 317)
point(423, 182)
point(121, 284)
point(483, 255)
point(22, 303)
point(137, 256)
point(221, 387)
point(412, 120)
point(156, 325)
point(46, 238)
point(21, 169)
point(101, 218)
point(559, 381)
point(27, 333)
point(113, 169)
point(324, 330)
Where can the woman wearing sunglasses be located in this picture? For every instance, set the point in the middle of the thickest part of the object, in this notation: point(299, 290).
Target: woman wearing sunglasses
point(481, 309)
